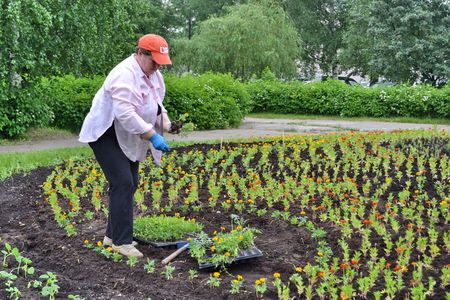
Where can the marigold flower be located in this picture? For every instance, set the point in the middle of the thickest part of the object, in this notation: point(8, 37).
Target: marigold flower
point(344, 266)
point(320, 274)
point(354, 261)
point(276, 275)
point(216, 274)
point(397, 268)
point(367, 222)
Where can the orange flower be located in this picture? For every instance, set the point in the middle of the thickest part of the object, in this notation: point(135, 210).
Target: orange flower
point(397, 268)
point(400, 250)
point(354, 261)
point(367, 222)
point(344, 266)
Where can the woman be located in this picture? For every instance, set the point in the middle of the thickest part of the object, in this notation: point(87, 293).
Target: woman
point(126, 113)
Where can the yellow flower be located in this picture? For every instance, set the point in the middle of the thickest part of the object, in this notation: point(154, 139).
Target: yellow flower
point(213, 248)
point(239, 227)
point(302, 212)
point(262, 279)
point(227, 253)
point(320, 253)
point(241, 237)
point(298, 269)
point(86, 242)
point(177, 215)
point(99, 243)
point(276, 275)
point(258, 282)
point(239, 277)
point(109, 249)
point(215, 232)
point(222, 228)
point(216, 274)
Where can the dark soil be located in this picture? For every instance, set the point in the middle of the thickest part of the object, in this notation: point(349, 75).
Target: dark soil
point(27, 222)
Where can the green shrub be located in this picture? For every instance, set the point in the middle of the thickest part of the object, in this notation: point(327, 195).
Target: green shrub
point(21, 109)
point(212, 100)
point(70, 99)
point(333, 97)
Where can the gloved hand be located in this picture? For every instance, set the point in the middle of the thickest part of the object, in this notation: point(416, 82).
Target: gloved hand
point(159, 142)
point(175, 127)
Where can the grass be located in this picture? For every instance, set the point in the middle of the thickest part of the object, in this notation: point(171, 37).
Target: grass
point(164, 228)
point(23, 162)
point(315, 117)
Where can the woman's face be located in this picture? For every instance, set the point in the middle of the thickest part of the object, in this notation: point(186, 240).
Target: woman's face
point(148, 65)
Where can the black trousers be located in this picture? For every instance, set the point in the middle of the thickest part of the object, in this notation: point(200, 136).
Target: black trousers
point(123, 178)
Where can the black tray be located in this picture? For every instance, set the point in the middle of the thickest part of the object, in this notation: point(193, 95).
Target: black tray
point(242, 255)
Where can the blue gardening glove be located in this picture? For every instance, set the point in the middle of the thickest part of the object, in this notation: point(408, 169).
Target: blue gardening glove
point(159, 142)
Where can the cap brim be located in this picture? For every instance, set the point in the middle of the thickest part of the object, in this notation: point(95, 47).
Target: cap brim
point(161, 59)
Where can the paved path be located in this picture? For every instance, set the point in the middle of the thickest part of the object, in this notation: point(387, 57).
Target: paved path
point(250, 127)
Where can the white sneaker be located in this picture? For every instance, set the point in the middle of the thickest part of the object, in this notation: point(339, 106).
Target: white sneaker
point(107, 242)
point(127, 250)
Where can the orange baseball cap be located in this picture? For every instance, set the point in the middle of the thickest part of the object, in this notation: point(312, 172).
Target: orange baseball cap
point(158, 46)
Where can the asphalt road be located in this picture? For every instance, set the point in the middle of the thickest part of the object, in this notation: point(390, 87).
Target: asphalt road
point(250, 127)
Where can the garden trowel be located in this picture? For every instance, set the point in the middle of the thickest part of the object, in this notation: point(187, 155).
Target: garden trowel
point(182, 246)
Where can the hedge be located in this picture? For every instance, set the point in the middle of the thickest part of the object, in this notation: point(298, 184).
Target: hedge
point(335, 98)
point(216, 101)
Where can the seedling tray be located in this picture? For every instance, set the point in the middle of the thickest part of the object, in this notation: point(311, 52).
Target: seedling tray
point(159, 244)
point(243, 255)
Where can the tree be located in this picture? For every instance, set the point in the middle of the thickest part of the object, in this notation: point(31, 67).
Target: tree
point(243, 42)
point(320, 25)
point(358, 46)
point(189, 13)
point(412, 39)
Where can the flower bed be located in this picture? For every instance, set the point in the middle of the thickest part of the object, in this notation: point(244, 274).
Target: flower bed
point(349, 215)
